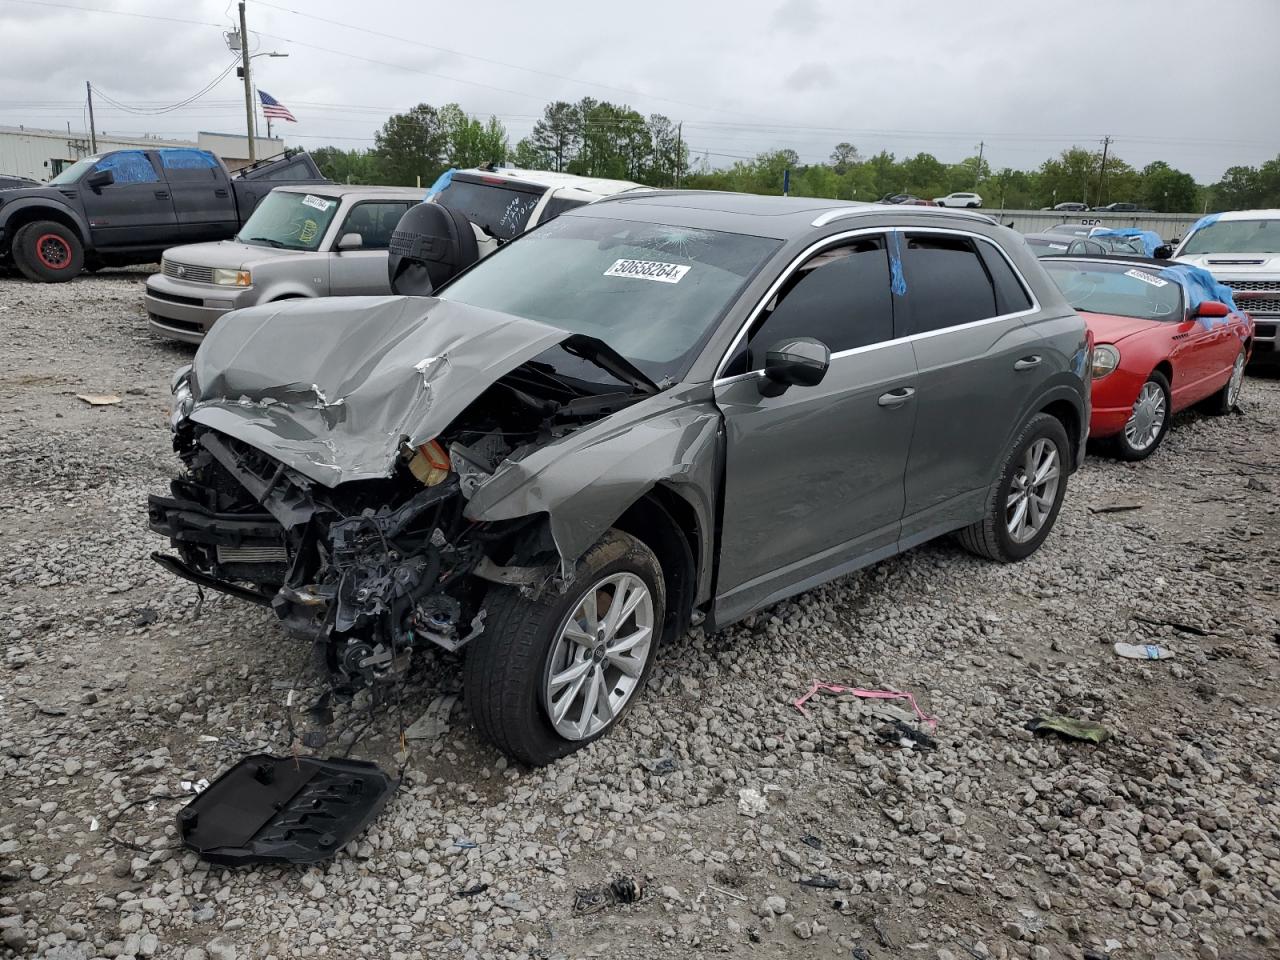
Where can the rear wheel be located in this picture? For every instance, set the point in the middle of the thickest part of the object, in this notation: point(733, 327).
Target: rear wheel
point(1024, 503)
point(1149, 421)
point(48, 252)
point(1225, 400)
point(549, 676)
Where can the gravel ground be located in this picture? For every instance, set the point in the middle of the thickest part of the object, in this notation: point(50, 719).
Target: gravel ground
point(1162, 842)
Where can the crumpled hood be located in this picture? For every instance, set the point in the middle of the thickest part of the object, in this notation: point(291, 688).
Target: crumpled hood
point(331, 387)
point(230, 255)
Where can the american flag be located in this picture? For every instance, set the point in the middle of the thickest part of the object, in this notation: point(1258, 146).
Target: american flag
point(271, 107)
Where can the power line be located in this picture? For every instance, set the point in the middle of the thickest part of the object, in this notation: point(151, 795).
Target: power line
point(114, 13)
point(156, 111)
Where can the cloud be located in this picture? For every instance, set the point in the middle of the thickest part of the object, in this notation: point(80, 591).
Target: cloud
point(809, 76)
point(801, 17)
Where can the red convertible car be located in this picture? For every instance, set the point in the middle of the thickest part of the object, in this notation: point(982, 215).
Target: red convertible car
point(1166, 336)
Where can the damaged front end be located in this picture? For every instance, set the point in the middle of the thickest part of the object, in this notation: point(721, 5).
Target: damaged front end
point(369, 562)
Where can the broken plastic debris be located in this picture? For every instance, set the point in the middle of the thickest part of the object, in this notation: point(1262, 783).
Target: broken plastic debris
point(98, 399)
point(434, 722)
point(208, 738)
point(194, 786)
point(821, 687)
point(1116, 508)
point(1072, 728)
point(93, 823)
point(1145, 651)
point(905, 735)
point(751, 802)
point(659, 766)
point(465, 844)
point(269, 809)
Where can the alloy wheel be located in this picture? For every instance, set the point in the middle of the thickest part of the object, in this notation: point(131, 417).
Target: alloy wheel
point(1147, 419)
point(53, 251)
point(599, 656)
point(1033, 491)
point(1237, 380)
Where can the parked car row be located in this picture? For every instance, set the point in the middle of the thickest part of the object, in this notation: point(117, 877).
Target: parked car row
point(1119, 206)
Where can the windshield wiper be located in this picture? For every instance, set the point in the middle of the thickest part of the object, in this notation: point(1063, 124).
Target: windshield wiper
point(611, 361)
point(268, 241)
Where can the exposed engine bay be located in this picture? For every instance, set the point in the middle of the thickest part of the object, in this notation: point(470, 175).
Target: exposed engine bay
point(372, 569)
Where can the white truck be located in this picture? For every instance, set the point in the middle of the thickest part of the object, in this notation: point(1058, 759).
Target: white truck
point(1241, 249)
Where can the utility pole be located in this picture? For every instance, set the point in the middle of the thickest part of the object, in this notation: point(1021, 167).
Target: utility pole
point(248, 87)
point(1102, 170)
point(679, 151)
point(977, 174)
point(93, 135)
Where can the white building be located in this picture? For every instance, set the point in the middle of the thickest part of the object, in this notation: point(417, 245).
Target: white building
point(41, 154)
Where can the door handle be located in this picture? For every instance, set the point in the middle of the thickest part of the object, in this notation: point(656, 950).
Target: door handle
point(220, 192)
point(162, 194)
point(896, 398)
point(1026, 363)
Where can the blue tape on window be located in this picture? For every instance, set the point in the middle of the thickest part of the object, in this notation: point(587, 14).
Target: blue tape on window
point(898, 282)
point(128, 166)
point(182, 159)
point(441, 184)
point(1205, 221)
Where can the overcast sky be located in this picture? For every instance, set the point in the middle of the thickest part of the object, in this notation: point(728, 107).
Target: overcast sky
point(1171, 80)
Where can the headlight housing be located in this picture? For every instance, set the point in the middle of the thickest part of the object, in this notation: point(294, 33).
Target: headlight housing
point(1105, 359)
point(232, 278)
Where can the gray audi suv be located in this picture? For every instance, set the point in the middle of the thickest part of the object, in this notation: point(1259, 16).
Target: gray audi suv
point(658, 410)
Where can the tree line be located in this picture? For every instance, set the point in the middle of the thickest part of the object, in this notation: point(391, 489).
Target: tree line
point(600, 139)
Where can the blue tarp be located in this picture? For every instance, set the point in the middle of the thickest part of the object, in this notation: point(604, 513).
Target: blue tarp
point(129, 166)
point(442, 183)
point(1198, 285)
point(1149, 240)
point(897, 282)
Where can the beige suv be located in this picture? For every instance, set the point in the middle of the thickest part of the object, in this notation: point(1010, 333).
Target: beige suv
point(322, 240)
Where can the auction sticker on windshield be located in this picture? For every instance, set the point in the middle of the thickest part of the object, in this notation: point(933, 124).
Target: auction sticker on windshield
point(320, 203)
point(648, 270)
point(1146, 278)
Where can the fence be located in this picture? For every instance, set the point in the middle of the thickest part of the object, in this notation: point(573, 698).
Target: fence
point(1168, 225)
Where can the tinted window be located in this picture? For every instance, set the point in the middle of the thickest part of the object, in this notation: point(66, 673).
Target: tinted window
point(189, 165)
point(558, 205)
point(840, 297)
point(947, 284)
point(374, 221)
point(296, 170)
point(1011, 295)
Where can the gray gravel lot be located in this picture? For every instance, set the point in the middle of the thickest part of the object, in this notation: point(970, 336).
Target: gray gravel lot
point(1162, 842)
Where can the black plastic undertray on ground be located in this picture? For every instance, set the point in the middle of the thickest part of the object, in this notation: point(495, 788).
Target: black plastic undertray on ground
point(269, 809)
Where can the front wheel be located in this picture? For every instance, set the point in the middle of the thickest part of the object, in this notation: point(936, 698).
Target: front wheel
point(1225, 400)
point(549, 676)
point(48, 252)
point(1149, 421)
point(1023, 504)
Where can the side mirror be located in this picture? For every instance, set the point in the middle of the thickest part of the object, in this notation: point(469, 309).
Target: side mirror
point(99, 179)
point(350, 241)
point(798, 362)
point(1212, 308)
point(1163, 252)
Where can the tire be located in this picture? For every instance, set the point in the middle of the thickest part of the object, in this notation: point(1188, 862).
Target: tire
point(506, 677)
point(971, 206)
point(1225, 400)
point(48, 252)
point(1124, 446)
point(991, 536)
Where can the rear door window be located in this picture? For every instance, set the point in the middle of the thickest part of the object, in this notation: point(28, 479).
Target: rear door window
point(1011, 295)
point(558, 205)
point(198, 165)
point(947, 282)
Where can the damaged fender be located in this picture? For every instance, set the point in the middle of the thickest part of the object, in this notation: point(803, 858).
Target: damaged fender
point(584, 482)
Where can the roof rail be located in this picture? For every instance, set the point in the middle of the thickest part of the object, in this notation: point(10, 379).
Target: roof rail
point(837, 213)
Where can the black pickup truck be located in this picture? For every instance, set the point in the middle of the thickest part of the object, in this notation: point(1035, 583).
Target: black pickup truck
point(128, 206)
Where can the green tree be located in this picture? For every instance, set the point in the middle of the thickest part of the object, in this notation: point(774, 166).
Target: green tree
point(347, 166)
point(843, 157)
point(668, 162)
point(558, 135)
point(410, 146)
point(529, 156)
point(1072, 176)
point(1168, 190)
point(470, 142)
